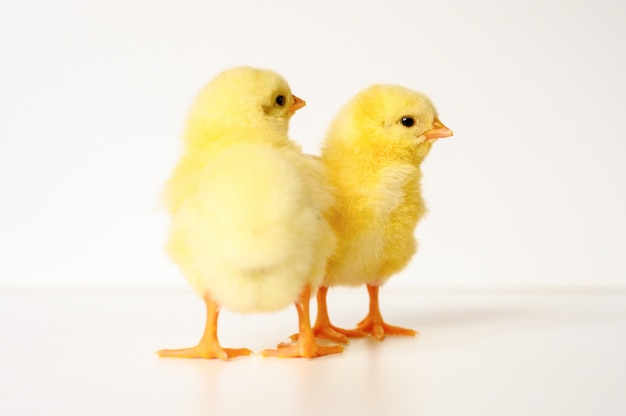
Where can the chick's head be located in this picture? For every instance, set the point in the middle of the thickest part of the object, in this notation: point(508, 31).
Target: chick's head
point(242, 102)
point(390, 120)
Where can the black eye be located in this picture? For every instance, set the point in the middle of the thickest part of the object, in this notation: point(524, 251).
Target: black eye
point(407, 121)
point(280, 100)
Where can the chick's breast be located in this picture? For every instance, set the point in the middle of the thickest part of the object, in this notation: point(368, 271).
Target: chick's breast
point(379, 207)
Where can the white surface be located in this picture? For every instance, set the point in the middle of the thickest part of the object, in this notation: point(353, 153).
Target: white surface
point(93, 95)
point(82, 353)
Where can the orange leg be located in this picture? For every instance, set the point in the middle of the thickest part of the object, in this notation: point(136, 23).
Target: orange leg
point(373, 323)
point(305, 346)
point(208, 346)
point(323, 328)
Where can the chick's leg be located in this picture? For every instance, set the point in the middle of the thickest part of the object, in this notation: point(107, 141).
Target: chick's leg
point(208, 346)
point(305, 346)
point(323, 328)
point(373, 323)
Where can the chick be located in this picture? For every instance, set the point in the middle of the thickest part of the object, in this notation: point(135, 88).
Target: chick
point(247, 228)
point(372, 152)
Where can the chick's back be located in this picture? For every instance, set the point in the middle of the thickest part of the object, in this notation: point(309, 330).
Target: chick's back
point(251, 233)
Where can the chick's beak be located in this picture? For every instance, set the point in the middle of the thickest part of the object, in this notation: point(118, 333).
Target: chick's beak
point(439, 131)
point(298, 103)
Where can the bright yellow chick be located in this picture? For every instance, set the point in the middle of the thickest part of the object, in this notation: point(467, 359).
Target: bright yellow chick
point(372, 153)
point(247, 229)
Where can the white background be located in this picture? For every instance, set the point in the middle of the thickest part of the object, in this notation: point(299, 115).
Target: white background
point(530, 190)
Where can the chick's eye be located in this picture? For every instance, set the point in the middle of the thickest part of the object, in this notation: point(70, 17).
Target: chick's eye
point(280, 100)
point(407, 121)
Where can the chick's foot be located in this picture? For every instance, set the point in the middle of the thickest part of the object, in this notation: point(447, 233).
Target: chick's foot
point(332, 333)
point(205, 352)
point(305, 346)
point(302, 349)
point(335, 334)
point(373, 323)
point(377, 328)
point(323, 328)
point(208, 346)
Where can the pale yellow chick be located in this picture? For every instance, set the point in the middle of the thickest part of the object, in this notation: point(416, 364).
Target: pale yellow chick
point(247, 227)
point(372, 152)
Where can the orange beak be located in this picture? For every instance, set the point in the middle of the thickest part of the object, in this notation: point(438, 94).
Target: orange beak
point(439, 131)
point(298, 103)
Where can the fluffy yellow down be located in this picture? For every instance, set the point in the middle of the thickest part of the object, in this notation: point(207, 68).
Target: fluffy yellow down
point(373, 162)
point(246, 205)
